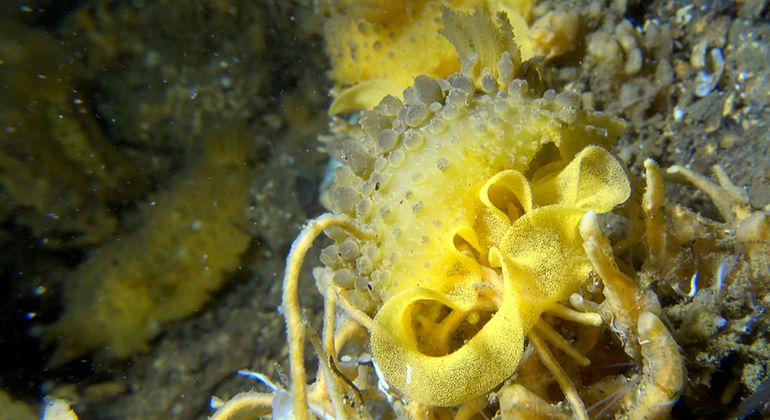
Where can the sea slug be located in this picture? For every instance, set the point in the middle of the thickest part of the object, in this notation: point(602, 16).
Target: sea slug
point(464, 202)
point(188, 236)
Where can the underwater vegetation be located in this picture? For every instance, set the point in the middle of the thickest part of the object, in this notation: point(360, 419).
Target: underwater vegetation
point(59, 175)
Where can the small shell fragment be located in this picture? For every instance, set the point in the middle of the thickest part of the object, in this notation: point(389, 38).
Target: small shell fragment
point(709, 75)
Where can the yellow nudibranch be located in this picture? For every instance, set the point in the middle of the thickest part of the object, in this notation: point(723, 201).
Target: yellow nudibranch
point(472, 191)
point(502, 252)
point(379, 46)
point(188, 237)
point(459, 216)
point(455, 218)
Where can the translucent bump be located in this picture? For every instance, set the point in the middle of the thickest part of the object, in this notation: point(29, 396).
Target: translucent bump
point(360, 300)
point(386, 213)
point(389, 106)
point(416, 115)
point(444, 84)
point(376, 182)
point(401, 117)
point(399, 127)
point(364, 265)
point(518, 87)
point(379, 277)
point(387, 140)
point(361, 284)
point(396, 158)
point(410, 96)
point(369, 187)
point(462, 83)
point(501, 107)
point(450, 112)
point(549, 95)
point(349, 250)
point(370, 250)
point(442, 164)
point(427, 90)
point(567, 115)
point(375, 277)
point(436, 126)
point(372, 122)
point(336, 233)
point(356, 155)
point(343, 175)
point(330, 256)
point(364, 208)
point(380, 163)
point(344, 278)
point(456, 98)
point(488, 83)
point(567, 99)
point(505, 68)
point(413, 140)
point(343, 199)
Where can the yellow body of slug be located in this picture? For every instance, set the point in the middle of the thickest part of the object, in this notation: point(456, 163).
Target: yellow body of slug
point(474, 200)
point(379, 46)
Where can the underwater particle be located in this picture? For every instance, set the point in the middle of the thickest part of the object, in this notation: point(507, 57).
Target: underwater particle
point(678, 113)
